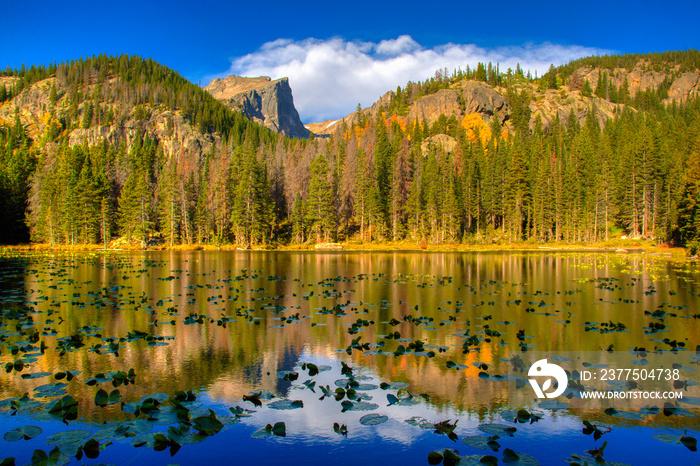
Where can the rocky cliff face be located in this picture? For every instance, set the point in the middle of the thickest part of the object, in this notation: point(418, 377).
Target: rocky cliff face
point(552, 103)
point(262, 100)
point(176, 135)
point(467, 97)
point(643, 76)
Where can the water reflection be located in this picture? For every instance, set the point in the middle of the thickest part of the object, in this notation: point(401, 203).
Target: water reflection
point(232, 317)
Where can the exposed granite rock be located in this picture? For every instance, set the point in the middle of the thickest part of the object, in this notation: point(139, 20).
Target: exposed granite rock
point(430, 107)
point(441, 142)
point(468, 97)
point(685, 87)
point(483, 99)
point(465, 98)
point(642, 77)
point(262, 100)
point(553, 103)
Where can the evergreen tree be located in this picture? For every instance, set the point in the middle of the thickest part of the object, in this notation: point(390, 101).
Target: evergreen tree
point(320, 211)
point(169, 206)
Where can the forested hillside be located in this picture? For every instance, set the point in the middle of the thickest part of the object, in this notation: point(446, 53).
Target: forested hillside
point(124, 150)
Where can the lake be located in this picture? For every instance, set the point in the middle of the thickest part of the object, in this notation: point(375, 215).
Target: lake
point(363, 356)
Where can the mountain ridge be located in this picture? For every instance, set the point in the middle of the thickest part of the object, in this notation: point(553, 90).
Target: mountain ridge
point(546, 103)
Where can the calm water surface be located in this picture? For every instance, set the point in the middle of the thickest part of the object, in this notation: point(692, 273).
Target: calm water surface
point(225, 324)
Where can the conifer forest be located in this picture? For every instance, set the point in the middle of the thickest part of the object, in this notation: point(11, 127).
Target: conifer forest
point(129, 149)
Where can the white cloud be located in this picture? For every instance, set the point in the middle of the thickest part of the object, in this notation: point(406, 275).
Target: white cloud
point(329, 77)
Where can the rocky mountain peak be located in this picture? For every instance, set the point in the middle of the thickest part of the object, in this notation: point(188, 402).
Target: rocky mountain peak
point(266, 101)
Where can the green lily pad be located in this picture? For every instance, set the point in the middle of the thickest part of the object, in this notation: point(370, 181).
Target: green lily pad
point(279, 430)
point(501, 430)
point(241, 412)
point(373, 419)
point(54, 457)
point(208, 425)
point(50, 390)
point(482, 442)
point(163, 416)
point(286, 404)
point(446, 455)
point(420, 422)
point(36, 375)
point(145, 440)
point(358, 406)
point(393, 385)
point(69, 436)
point(91, 448)
point(66, 407)
point(103, 399)
point(69, 441)
point(160, 397)
point(518, 459)
point(19, 433)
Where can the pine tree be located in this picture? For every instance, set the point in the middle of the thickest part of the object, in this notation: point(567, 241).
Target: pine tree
point(601, 88)
point(552, 78)
point(253, 209)
point(169, 206)
point(134, 221)
point(400, 182)
point(586, 89)
point(366, 197)
point(298, 220)
point(320, 211)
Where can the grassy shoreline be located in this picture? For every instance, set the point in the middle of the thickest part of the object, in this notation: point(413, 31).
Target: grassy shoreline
point(620, 246)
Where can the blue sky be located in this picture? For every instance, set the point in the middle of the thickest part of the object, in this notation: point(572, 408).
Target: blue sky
point(337, 54)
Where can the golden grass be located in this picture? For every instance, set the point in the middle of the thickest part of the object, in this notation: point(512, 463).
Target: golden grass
point(612, 246)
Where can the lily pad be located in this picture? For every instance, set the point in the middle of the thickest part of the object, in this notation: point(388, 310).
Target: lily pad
point(160, 397)
point(501, 430)
point(393, 385)
point(420, 422)
point(36, 375)
point(358, 406)
point(286, 404)
point(26, 433)
point(518, 459)
point(482, 442)
point(145, 440)
point(373, 419)
point(103, 399)
point(50, 390)
point(279, 430)
point(69, 441)
point(55, 456)
point(208, 425)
